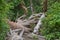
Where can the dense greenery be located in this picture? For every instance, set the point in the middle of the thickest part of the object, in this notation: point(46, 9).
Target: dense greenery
point(16, 12)
point(5, 7)
point(51, 23)
point(8, 10)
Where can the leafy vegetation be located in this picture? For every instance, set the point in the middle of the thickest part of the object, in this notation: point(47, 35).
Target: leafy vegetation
point(4, 9)
point(16, 12)
point(9, 9)
point(51, 23)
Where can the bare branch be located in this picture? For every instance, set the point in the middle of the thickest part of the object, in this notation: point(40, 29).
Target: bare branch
point(38, 24)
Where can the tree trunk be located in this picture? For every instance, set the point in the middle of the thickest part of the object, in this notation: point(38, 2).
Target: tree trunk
point(45, 5)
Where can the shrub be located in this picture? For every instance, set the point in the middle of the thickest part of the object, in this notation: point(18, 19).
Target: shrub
point(3, 25)
point(51, 23)
point(4, 9)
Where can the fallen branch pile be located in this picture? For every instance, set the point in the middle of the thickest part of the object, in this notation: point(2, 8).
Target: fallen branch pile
point(17, 29)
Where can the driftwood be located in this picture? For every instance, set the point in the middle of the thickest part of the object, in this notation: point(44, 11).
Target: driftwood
point(38, 24)
point(14, 35)
point(31, 19)
point(21, 24)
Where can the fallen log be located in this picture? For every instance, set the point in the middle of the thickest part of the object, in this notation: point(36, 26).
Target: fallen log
point(14, 35)
point(21, 25)
point(32, 19)
point(39, 23)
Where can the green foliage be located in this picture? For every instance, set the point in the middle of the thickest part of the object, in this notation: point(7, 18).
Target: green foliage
point(5, 7)
point(51, 23)
point(14, 12)
point(38, 5)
